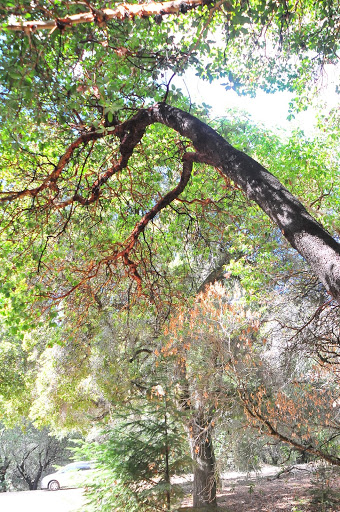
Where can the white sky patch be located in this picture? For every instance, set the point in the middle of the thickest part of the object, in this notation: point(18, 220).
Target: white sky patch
point(12, 19)
point(271, 110)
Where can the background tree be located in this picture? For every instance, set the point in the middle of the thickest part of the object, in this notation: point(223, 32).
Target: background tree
point(29, 453)
point(286, 394)
point(139, 463)
point(137, 454)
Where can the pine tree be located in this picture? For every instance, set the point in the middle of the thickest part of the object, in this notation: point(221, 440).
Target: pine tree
point(136, 457)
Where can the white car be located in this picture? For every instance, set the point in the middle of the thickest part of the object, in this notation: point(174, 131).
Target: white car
point(72, 475)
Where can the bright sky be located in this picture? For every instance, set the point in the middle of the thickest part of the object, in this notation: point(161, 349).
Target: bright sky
point(269, 109)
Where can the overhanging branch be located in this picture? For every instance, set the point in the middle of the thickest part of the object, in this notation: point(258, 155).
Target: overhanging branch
point(303, 232)
point(101, 16)
point(129, 140)
point(253, 412)
point(51, 180)
point(124, 254)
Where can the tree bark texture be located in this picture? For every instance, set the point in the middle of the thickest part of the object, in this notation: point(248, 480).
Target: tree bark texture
point(101, 16)
point(4, 465)
point(202, 453)
point(301, 230)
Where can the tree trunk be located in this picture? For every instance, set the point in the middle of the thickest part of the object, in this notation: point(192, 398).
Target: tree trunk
point(31, 481)
point(302, 231)
point(4, 465)
point(202, 452)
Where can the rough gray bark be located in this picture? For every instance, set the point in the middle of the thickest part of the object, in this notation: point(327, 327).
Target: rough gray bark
point(301, 230)
point(199, 429)
point(217, 273)
point(4, 465)
point(202, 453)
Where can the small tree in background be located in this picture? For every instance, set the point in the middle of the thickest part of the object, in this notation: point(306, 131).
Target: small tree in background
point(26, 454)
point(137, 456)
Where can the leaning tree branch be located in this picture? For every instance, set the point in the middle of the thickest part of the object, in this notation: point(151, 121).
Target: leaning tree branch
point(101, 16)
point(302, 231)
point(272, 431)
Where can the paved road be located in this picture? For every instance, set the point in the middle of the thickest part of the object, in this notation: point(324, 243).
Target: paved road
point(68, 500)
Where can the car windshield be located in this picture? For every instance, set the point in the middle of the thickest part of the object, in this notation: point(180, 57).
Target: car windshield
point(77, 466)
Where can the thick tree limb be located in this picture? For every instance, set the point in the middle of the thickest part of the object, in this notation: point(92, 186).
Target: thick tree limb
point(121, 12)
point(301, 230)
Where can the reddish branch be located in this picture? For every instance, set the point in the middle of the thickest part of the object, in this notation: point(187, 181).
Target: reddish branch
point(101, 16)
point(129, 141)
point(51, 181)
point(188, 159)
point(256, 415)
point(301, 230)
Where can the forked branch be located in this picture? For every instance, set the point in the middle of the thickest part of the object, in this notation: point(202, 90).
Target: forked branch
point(129, 140)
point(302, 231)
point(124, 254)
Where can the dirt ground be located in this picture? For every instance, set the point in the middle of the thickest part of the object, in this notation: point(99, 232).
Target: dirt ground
point(300, 490)
point(291, 492)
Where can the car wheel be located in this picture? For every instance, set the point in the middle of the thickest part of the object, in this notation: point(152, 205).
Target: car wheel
point(53, 485)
